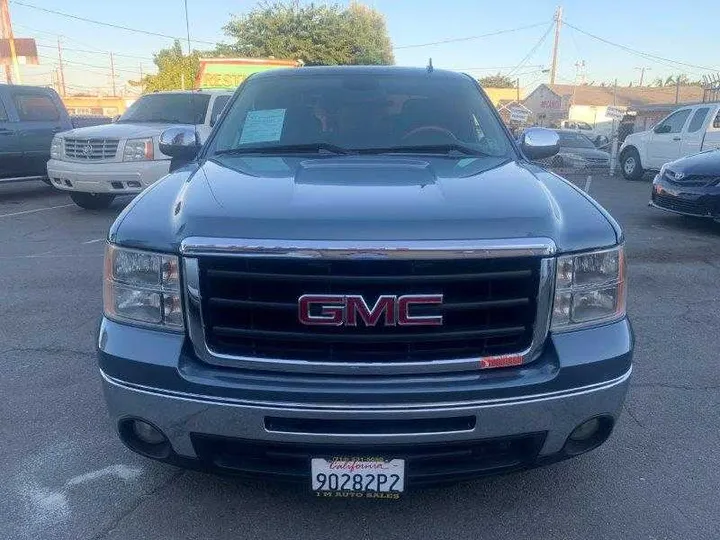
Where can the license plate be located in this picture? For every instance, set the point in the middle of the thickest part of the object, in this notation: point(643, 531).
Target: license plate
point(359, 477)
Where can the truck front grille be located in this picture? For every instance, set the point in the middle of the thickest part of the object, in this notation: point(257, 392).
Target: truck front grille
point(91, 149)
point(250, 307)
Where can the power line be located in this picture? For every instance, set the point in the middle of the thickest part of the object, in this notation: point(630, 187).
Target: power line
point(490, 68)
point(637, 52)
point(455, 40)
point(133, 71)
point(533, 49)
point(102, 23)
point(104, 53)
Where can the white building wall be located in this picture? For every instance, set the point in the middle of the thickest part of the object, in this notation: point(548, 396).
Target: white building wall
point(593, 115)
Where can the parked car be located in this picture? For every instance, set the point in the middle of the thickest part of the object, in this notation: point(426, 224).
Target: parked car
point(686, 131)
point(99, 162)
point(597, 136)
point(690, 186)
point(30, 116)
point(578, 152)
point(360, 262)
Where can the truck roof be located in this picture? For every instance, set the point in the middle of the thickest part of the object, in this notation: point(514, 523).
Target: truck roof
point(395, 71)
point(198, 91)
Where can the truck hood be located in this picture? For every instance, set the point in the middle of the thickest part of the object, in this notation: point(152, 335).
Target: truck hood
point(364, 198)
point(119, 130)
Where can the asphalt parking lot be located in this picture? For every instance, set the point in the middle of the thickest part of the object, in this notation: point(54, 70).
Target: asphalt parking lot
point(65, 475)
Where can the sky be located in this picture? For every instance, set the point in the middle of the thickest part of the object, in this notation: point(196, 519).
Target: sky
point(662, 29)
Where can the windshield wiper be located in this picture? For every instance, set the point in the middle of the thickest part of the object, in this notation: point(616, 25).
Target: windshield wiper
point(286, 149)
point(449, 149)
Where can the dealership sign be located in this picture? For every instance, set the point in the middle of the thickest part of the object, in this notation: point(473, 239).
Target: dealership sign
point(231, 72)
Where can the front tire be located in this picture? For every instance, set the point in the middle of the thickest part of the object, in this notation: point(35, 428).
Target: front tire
point(92, 201)
point(630, 165)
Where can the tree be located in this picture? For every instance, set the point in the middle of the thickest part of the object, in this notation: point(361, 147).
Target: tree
point(315, 34)
point(172, 66)
point(497, 81)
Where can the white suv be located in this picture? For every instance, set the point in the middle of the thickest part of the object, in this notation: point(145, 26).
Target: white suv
point(97, 163)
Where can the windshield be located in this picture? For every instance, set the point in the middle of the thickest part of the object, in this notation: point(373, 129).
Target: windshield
point(168, 108)
point(574, 140)
point(361, 112)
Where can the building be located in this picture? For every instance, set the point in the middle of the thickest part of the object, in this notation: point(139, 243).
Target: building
point(499, 96)
point(552, 103)
point(96, 105)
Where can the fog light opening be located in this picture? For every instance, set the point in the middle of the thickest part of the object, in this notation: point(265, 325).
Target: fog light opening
point(589, 435)
point(144, 438)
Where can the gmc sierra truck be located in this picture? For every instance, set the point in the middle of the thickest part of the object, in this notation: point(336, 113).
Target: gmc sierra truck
point(361, 282)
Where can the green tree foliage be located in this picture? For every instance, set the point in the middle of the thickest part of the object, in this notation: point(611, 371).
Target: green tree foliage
point(316, 34)
point(172, 65)
point(497, 81)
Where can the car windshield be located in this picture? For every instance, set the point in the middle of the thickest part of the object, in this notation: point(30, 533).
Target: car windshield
point(178, 108)
point(361, 112)
point(574, 140)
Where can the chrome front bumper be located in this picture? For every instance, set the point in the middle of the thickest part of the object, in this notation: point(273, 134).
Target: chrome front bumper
point(179, 415)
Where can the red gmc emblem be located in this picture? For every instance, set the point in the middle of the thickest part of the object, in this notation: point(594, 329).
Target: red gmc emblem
point(348, 309)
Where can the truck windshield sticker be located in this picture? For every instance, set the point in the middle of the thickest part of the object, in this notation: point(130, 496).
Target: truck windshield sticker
point(263, 126)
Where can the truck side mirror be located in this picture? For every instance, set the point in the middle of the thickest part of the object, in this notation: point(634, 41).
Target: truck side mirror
point(180, 142)
point(662, 128)
point(539, 143)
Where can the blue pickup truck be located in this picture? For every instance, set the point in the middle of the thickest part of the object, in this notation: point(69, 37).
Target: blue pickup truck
point(361, 282)
point(30, 116)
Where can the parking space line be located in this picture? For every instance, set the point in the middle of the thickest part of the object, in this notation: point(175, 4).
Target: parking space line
point(94, 241)
point(35, 210)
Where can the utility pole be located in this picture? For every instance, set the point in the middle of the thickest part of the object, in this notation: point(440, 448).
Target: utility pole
point(642, 71)
point(187, 27)
point(141, 78)
point(517, 86)
point(6, 32)
point(558, 25)
point(61, 74)
point(677, 89)
point(112, 73)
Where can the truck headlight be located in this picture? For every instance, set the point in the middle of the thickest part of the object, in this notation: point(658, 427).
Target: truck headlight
point(142, 287)
point(57, 148)
point(139, 150)
point(589, 289)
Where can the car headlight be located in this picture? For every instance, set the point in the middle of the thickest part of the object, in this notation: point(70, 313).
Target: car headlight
point(143, 288)
point(57, 148)
point(589, 289)
point(139, 150)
